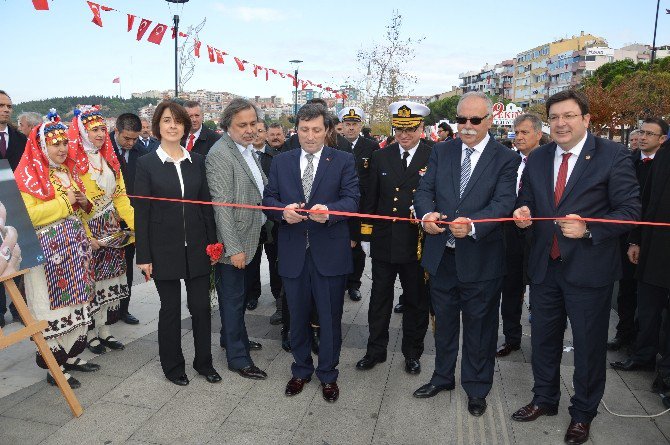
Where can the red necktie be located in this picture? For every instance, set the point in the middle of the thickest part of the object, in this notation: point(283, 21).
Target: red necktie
point(189, 146)
point(646, 160)
point(558, 192)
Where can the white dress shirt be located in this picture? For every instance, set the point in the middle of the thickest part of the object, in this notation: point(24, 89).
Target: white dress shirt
point(411, 152)
point(185, 156)
point(572, 160)
point(315, 162)
point(252, 163)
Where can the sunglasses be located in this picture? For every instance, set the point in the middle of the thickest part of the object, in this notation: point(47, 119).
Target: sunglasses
point(473, 120)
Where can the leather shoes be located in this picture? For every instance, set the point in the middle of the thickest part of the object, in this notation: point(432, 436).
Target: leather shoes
point(285, 342)
point(255, 346)
point(506, 349)
point(399, 308)
point(316, 332)
point(81, 367)
point(74, 383)
point(252, 304)
point(368, 362)
point(112, 343)
point(251, 372)
point(182, 380)
point(98, 348)
point(213, 377)
point(412, 366)
point(476, 406)
point(617, 343)
point(330, 392)
point(631, 365)
point(295, 385)
point(430, 390)
point(531, 412)
point(577, 433)
point(129, 319)
point(355, 295)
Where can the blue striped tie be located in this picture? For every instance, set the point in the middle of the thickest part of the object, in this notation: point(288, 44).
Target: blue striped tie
point(466, 171)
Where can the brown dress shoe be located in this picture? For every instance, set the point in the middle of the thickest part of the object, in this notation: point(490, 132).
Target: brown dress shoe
point(295, 385)
point(578, 433)
point(330, 392)
point(506, 349)
point(531, 412)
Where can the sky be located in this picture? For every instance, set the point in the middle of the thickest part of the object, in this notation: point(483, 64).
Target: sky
point(60, 52)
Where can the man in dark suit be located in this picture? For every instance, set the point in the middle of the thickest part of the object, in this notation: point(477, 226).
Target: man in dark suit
point(314, 250)
point(149, 142)
point(573, 264)
point(201, 138)
point(528, 132)
point(394, 175)
point(128, 148)
point(12, 144)
point(472, 177)
point(352, 121)
point(648, 249)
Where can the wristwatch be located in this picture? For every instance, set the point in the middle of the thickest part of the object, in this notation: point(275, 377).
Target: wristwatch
point(587, 233)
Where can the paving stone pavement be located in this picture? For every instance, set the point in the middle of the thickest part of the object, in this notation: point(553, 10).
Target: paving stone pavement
point(130, 402)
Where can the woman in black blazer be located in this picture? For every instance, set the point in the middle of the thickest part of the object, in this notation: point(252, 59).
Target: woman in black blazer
point(172, 238)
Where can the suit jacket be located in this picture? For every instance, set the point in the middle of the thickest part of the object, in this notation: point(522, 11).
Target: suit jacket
point(490, 193)
point(231, 181)
point(15, 148)
point(153, 144)
point(335, 186)
point(265, 158)
point(654, 242)
point(293, 142)
point(128, 167)
point(204, 142)
point(162, 227)
point(362, 154)
point(601, 185)
point(390, 192)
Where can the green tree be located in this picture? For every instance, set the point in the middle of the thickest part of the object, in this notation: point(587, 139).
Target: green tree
point(212, 125)
point(442, 109)
point(111, 106)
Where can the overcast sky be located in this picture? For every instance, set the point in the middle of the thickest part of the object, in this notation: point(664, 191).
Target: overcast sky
point(61, 53)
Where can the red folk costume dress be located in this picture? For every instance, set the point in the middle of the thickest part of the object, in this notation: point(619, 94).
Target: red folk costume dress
point(106, 190)
point(59, 291)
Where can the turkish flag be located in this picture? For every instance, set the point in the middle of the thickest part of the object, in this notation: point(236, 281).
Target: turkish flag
point(157, 34)
point(210, 51)
point(41, 5)
point(303, 85)
point(116, 80)
point(295, 81)
point(274, 71)
point(181, 34)
point(282, 75)
point(318, 85)
point(267, 75)
point(256, 68)
point(95, 9)
point(240, 63)
point(144, 25)
point(196, 48)
point(219, 55)
point(131, 22)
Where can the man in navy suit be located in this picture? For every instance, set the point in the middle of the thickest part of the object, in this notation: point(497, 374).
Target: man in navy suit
point(469, 178)
point(313, 249)
point(149, 143)
point(573, 264)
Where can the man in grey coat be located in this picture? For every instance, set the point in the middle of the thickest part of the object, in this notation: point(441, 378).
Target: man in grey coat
point(235, 177)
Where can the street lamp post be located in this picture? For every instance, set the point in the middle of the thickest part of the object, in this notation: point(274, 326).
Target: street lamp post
point(653, 44)
point(175, 21)
point(295, 62)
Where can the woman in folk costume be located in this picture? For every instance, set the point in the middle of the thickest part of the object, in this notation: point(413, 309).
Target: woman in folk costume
point(59, 291)
point(106, 190)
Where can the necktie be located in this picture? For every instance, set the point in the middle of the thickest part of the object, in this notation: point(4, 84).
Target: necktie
point(189, 146)
point(405, 155)
point(146, 143)
point(521, 182)
point(558, 192)
point(307, 180)
point(3, 145)
point(644, 160)
point(465, 177)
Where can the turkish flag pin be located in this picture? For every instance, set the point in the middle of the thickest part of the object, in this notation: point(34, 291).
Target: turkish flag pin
point(587, 157)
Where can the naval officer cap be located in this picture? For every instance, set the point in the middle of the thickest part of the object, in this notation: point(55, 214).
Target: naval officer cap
point(351, 114)
point(406, 114)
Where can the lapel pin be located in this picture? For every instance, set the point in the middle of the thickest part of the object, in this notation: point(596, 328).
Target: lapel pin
point(587, 157)
point(327, 159)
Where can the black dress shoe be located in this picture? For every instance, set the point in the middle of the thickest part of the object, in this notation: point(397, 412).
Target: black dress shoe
point(330, 391)
point(251, 372)
point(476, 406)
point(295, 385)
point(74, 383)
point(316, 332)
point(98, 348)
point(368, 362)
point(182, 380)
point(112, 343)
point(531, 412)
point(631, 365)
point(129, 318)
point(252, 304)
point(255, 346)
point(355, 295)
point(412, 366)
point(212, 377)
point(399, 308)
point(430, 390)
point(577, 433)
point(506, 349)
point(285, 341)
point(81, 367)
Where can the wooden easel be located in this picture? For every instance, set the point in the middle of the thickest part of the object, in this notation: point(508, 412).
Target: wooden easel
point(34, 328)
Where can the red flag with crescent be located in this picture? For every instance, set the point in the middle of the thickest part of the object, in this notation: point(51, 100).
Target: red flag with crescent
point(196, 48)
point(95, 9)
point(131, 22)
point(157, 34)
point(219, 55)
point(240, 63)
point(144, 25)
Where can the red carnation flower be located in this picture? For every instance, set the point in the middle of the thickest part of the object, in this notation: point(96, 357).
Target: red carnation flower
point(215, 251)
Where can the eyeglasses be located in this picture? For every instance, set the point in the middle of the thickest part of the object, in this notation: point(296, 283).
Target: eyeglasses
point(553, 118)
point(473, 120)
point(406, 130)
point(647, 133)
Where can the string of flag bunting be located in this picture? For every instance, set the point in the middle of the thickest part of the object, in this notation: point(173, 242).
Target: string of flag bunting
point(214, 54)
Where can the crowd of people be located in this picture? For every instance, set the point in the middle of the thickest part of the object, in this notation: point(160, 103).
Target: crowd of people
point(83, 186)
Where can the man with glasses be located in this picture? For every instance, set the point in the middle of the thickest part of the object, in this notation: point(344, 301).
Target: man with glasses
point(573, 263)
point(473, 177)
point(394, 176)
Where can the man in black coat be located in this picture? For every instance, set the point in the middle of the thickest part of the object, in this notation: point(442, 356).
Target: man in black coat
point(149, 142)
point(352, 121)
point(394, 176)
point(128, 148)
point(201, 138)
